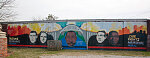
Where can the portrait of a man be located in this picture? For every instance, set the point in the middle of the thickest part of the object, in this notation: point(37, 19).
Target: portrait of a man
point(101, 36)
point(98, 40)
point(71, 38)
point(113, 39)
point(33, 37)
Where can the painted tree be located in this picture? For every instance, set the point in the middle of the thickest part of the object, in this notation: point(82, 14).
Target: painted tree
point(6, 12)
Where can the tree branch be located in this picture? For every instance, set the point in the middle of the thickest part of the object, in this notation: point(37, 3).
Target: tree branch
point(5, 9)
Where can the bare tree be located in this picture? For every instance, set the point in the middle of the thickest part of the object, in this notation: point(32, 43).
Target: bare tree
point(49, 17)
point(6, 12)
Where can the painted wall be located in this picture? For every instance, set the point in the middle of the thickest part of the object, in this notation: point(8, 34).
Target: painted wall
point(148, 36)
point(117, 35)
point(72, 36)
point(80, 35)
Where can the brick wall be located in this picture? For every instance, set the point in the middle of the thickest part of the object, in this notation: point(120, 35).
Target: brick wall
point(3, 47)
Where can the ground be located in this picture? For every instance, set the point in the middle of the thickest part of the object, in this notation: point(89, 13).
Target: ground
point(44, 53)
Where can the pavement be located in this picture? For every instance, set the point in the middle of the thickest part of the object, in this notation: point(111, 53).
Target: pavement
point(93, 56)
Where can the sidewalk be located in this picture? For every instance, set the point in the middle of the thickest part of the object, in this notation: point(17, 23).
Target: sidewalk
point(92, 56)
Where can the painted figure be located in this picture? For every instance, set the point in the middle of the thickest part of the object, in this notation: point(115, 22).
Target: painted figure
point(71, 38)
point(101, 36)
point(33, 37)
point(43, 37)
point(98, 40)
point(114, 38)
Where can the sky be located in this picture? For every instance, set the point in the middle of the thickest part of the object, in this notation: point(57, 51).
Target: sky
point(27, 10)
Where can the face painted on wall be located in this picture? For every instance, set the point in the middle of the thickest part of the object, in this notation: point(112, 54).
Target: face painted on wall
point(100, 37)
point(71, 38)
point(113, 37)
point(43, 37)
point(33, 36)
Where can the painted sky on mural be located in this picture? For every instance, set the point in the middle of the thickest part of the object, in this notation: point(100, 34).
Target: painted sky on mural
point(82, 9)
point(126, 28)
point(18, 29)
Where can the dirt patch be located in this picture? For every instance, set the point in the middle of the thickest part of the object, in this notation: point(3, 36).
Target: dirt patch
point(86, 54)
point(9, 53)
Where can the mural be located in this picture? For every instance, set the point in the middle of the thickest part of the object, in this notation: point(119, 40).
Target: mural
point(31, 33)
point(137, 34)
point(18, 34)
point(38, 33)
point(116, 35)
point(102, 39)
point(80, 35)
point(72, 36)
point(104, 34)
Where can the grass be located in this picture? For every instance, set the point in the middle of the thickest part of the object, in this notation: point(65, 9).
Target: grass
point(29, 52)
point(36, 52)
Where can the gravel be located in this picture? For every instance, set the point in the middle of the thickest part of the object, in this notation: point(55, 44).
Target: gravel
point(92, 56)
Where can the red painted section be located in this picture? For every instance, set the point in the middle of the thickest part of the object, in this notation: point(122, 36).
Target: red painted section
point(29, 45)
point(18, 30)
point(127, 31)
point(88, 47)
point(118, 47)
